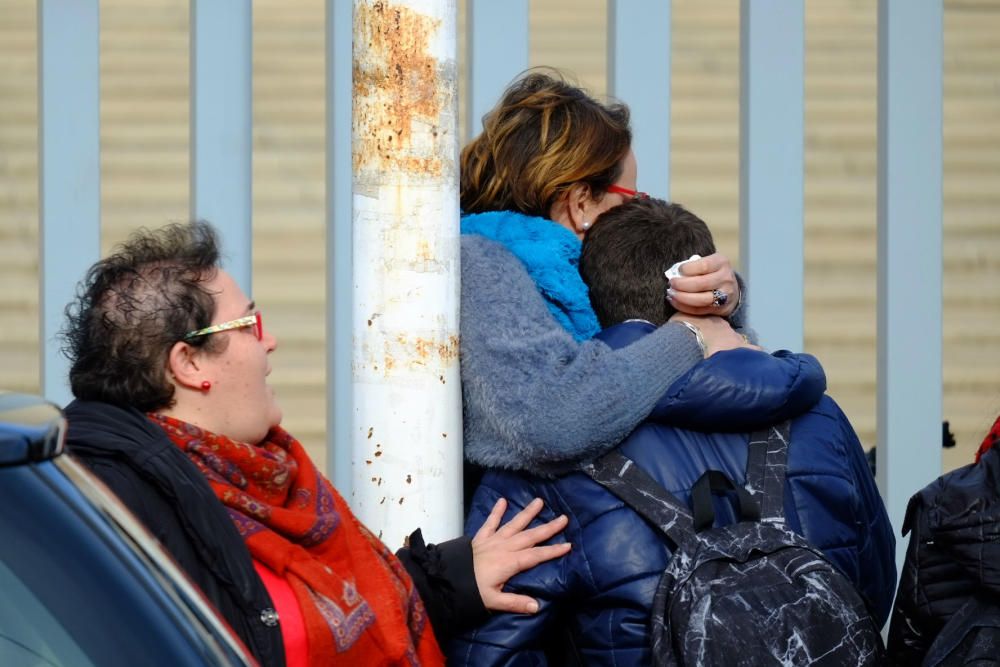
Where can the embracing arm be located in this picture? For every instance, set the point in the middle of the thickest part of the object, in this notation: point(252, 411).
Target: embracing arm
point(535, 398)
point(738, 390)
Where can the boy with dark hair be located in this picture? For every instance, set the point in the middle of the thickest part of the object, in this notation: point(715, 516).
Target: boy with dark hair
point(601, 594)
point(624, 267)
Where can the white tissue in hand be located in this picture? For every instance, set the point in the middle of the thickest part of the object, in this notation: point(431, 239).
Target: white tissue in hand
point(675, 270)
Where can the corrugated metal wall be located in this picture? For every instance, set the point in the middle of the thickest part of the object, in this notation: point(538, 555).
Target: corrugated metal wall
point(144, 116)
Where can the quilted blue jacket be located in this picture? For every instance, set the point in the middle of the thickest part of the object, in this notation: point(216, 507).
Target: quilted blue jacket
point(594, 603)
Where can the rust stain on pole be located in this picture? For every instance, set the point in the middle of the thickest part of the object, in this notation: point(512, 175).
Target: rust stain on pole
point(428, 350)
point(397, 84)
point(417, 352)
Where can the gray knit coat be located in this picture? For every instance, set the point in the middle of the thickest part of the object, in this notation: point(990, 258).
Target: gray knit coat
point(536, 400)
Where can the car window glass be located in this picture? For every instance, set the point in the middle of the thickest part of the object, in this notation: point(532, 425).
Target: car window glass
point(29, 635)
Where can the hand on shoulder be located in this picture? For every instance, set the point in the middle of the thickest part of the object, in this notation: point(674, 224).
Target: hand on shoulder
point(500, 552)
point(716, 333)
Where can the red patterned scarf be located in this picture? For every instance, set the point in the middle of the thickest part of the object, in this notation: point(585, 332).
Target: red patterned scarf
point(358, 603)
point(990, 438)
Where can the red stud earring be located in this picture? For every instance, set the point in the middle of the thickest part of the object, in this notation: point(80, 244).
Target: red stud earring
point(206, 385)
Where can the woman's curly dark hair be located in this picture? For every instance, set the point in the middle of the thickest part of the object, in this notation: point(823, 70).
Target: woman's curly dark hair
point(132, 307)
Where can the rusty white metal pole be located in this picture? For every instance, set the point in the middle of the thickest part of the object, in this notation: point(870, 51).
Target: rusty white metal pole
point(407, 428)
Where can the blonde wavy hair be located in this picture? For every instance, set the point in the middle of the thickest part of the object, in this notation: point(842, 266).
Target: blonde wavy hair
point(542, 137)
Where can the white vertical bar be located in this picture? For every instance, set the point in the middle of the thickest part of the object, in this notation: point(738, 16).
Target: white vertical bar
point(639, 41)
point(772, 44)
point(909, 250)
point(407, 398)
point(496, 52)
point(221, 122)
point(339, 265)
point(69, 166)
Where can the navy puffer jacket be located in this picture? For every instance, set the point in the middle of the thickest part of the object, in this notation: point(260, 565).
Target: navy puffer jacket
point(594, 603)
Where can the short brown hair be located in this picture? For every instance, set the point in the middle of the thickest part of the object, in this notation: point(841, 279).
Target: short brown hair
point(628, 250)
point(543, 136)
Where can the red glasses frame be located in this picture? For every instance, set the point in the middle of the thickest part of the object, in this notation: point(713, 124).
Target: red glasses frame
point(634, 194)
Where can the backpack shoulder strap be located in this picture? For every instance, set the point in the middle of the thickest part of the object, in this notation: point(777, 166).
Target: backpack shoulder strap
point(767, 462)
point(621, 476)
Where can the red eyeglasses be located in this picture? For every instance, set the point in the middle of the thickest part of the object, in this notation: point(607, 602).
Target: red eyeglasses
point(633, 194)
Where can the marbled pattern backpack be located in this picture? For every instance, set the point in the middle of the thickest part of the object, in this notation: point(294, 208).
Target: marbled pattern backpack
point(748, 593)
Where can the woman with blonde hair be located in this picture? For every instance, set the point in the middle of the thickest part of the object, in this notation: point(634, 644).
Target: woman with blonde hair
point(539, 394)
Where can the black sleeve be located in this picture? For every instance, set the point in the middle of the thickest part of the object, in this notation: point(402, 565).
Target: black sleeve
point(445, 578)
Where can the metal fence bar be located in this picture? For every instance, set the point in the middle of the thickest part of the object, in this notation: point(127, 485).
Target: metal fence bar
point(910, 46)
point(496, 52)
point(407, 438)
point(639, 39)
point(772, 44)
point(339, 265)
point(221, 125)
point(69, 168)
point(404, 219)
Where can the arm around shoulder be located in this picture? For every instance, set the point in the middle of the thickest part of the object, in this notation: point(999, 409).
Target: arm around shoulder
point(535, 398)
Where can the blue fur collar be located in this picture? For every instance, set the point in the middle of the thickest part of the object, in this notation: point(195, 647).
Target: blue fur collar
point(551, 254)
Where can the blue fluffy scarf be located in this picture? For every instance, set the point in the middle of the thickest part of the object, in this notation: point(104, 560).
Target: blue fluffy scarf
point(551, 254)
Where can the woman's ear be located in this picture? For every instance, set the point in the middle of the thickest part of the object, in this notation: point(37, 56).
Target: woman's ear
point(184, 366)
point(579, 208)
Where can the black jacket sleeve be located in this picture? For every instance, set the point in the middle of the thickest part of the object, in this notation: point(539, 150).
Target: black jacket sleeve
point(446, 580)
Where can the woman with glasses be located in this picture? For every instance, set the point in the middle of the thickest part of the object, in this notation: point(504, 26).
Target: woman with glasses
point(173, 411)
point(539, 394)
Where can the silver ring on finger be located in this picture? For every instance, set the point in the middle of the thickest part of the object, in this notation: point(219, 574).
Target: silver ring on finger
point(719, 298)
